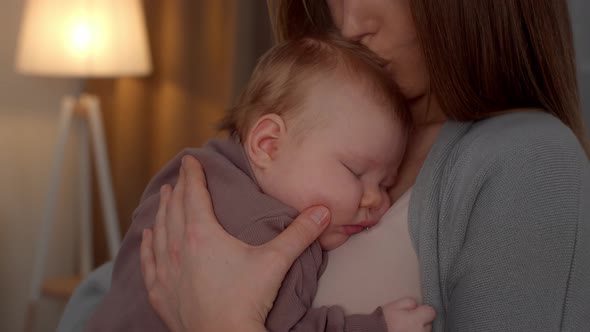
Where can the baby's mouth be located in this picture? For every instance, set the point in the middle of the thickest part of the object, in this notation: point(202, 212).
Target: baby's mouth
point(352, 229)
point(358, 227)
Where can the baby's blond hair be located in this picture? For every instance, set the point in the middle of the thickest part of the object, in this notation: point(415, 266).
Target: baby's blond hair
point(278, 83)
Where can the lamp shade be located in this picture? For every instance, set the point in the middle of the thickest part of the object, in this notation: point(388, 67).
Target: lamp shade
point(83, 38)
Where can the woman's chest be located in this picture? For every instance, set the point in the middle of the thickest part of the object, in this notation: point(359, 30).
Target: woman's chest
point(373, 268)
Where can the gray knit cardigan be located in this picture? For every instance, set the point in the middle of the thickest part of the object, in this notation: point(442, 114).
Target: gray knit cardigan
point(500, 219)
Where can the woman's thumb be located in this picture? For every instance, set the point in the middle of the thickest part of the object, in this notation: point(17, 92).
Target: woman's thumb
point(301, 233)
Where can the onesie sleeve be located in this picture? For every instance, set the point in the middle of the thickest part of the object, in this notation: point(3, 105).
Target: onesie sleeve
point(292, 309)
point(126, 305)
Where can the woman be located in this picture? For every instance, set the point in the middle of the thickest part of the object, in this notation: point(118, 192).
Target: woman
point(496, 167)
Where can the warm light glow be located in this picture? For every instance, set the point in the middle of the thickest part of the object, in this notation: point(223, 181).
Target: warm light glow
point(86, 38)
point(80, 39)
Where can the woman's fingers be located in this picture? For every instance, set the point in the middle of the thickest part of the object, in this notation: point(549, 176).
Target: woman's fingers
point(300, 234)
point(175, 215)
point(197, 204)
point(159, 235)
point(148, 263)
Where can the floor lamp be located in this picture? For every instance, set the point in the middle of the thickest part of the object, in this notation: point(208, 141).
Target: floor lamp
point(80, 39)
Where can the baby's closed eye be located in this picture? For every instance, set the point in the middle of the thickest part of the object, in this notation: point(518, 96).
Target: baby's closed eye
point(355, 172)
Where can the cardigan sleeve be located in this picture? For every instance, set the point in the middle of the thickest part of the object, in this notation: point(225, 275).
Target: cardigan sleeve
point(523, 261)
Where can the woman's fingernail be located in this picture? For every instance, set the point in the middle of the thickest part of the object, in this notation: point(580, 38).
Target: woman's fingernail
point(186, 160)
point(319, 215)
point(164, 190)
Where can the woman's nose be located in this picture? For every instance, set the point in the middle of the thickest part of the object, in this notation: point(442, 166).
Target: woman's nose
point(356, 25)
point(371, 199)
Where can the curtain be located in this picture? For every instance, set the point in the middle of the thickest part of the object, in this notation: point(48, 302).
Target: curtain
point(203, 52)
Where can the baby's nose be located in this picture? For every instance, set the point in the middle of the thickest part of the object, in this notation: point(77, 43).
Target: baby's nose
point(371, 199)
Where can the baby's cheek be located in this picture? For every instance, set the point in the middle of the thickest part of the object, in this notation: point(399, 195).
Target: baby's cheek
point(331, 238)
point(347, 207)
point(324, 239)
point(339, 194)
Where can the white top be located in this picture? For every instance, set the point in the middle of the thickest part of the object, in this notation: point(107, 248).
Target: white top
point(374, 267)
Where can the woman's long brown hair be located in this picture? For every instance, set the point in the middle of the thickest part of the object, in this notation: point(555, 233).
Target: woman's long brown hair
point(484, 57)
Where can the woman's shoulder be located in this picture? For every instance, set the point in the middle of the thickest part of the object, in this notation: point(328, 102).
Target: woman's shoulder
point(523, 127)
point(513, 142)
point(505, 148)
point(522, 134)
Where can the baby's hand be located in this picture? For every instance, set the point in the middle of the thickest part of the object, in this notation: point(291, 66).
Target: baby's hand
point(405, 315)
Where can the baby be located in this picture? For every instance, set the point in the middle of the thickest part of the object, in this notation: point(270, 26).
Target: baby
point(320, 122)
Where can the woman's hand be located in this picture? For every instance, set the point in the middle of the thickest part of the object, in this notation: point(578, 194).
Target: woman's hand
point(201, 278)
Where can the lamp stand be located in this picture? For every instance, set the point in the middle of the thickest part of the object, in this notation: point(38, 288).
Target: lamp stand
point(85, 113)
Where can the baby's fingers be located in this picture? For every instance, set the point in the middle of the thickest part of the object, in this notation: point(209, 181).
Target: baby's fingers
point(406, 303)
point(425, 313)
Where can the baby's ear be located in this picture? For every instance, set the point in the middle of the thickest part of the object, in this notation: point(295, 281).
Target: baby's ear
point(265, 139)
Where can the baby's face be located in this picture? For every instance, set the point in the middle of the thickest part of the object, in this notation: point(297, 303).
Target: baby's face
point(347, 162)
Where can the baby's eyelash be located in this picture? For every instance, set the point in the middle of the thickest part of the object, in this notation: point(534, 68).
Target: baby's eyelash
point(358, 175)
